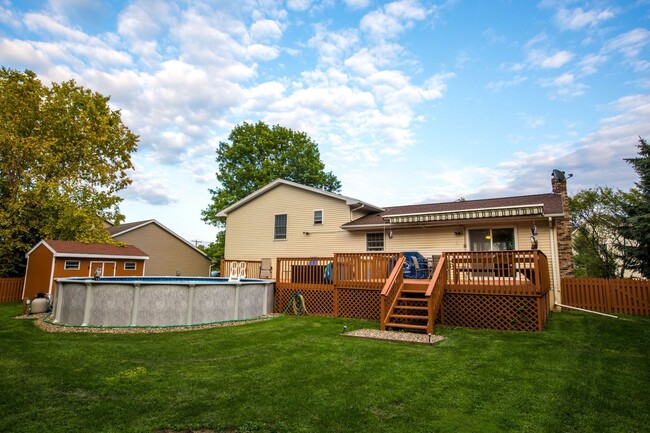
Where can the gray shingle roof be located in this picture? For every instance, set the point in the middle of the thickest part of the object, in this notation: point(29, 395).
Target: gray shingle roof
point(552, 204)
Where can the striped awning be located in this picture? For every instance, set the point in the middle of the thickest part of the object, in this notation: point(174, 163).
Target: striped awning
point(466, 215)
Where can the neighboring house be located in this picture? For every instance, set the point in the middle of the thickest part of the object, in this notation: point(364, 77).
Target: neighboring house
point(50, 259)
point(169, 254)
point(286, 219)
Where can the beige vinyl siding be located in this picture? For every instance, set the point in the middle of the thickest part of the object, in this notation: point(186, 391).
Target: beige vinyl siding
point(250, 228)
point(427, 241)
point(167, 254)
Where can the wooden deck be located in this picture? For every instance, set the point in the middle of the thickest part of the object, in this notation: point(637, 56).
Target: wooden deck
point(492, 289)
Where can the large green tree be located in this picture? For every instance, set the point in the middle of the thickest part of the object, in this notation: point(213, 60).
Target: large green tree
point(637, 223)
point(596, 216)
point(64, 155)
point(257, 154)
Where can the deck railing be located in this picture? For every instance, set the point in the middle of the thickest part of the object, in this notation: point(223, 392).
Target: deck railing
point(310, 273)
point(363, 270)
point(252, 267)
point(435, 292)
point(390, 290)
point(523, 273)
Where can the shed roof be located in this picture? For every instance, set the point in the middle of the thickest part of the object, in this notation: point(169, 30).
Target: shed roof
point(91, 250)
point(546, 204)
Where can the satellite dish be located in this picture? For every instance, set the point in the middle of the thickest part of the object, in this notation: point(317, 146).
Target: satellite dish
point(559, 175)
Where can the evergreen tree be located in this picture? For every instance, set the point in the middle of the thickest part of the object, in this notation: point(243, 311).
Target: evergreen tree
point(637, 223)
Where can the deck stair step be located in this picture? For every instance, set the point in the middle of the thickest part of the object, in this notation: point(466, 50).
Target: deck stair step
point(412, 307)
point(403, 299)
point(422, 306)
point(408, 316)
point(406, 326)
point(410, 311)
point(414, 288)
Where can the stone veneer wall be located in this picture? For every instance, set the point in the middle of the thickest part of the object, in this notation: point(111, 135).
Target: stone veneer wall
point(563, 230)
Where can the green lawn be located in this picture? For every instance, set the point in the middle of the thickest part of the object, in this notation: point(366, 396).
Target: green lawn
point(297, 374)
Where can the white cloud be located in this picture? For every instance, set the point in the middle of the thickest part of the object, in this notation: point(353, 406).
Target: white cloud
point(265, 31)
point(262, 52)
point(493, 37)
point(589, 64)
point(497, 86)
point(298, 5)
point(629, 44)
point(148, 187)
point(601, 151)
point(144, 20)
point(564, 86)
point(262, 96)
point(532, 121)
point(578, 18)
point(40, 22)
point(391, 20)
point(545, 60)
point(74, 44)
point(357, 4)
point(8, 19)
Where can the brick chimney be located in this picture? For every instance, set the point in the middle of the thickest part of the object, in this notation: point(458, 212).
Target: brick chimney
point(563, 226)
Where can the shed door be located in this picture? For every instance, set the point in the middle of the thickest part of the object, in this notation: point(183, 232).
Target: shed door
point(107, 269)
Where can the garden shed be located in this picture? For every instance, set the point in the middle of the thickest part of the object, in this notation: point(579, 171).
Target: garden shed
point(50, 259)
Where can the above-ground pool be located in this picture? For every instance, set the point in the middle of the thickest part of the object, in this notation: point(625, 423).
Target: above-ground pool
point(159, 301)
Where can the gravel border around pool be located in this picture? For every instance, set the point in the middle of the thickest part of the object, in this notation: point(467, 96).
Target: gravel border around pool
point(39, 321)
point(406, 337)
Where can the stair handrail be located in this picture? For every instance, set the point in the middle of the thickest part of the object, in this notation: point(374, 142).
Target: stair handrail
point(435, 292)
point(390, 289)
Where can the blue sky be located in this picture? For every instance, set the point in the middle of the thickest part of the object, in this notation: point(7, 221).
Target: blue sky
point(409, 101)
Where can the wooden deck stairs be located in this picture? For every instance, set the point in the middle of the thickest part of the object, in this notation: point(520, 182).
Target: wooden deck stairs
point(409, 311)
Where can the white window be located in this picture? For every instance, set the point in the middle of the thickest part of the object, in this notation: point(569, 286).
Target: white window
point(129, 266)
point(280, 229)
point(374, 242)
point(318, 216)
point(72, 265)
point(492, 239)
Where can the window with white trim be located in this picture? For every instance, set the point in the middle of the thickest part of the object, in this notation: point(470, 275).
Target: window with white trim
point(130, 266)
point(72, 265)
point(280, 228)
point(318, 216)
point(374, 242)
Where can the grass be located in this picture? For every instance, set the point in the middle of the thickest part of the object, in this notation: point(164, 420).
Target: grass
point(297, 374)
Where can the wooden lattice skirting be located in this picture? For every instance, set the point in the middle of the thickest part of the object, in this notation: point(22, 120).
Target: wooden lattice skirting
point(341, 302)
point(504, 312)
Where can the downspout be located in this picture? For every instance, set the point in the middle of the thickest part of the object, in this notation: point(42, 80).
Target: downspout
point(352, 211)
point(555, 265)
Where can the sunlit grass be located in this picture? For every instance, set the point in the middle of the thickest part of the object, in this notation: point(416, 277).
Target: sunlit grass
point(297, 374)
